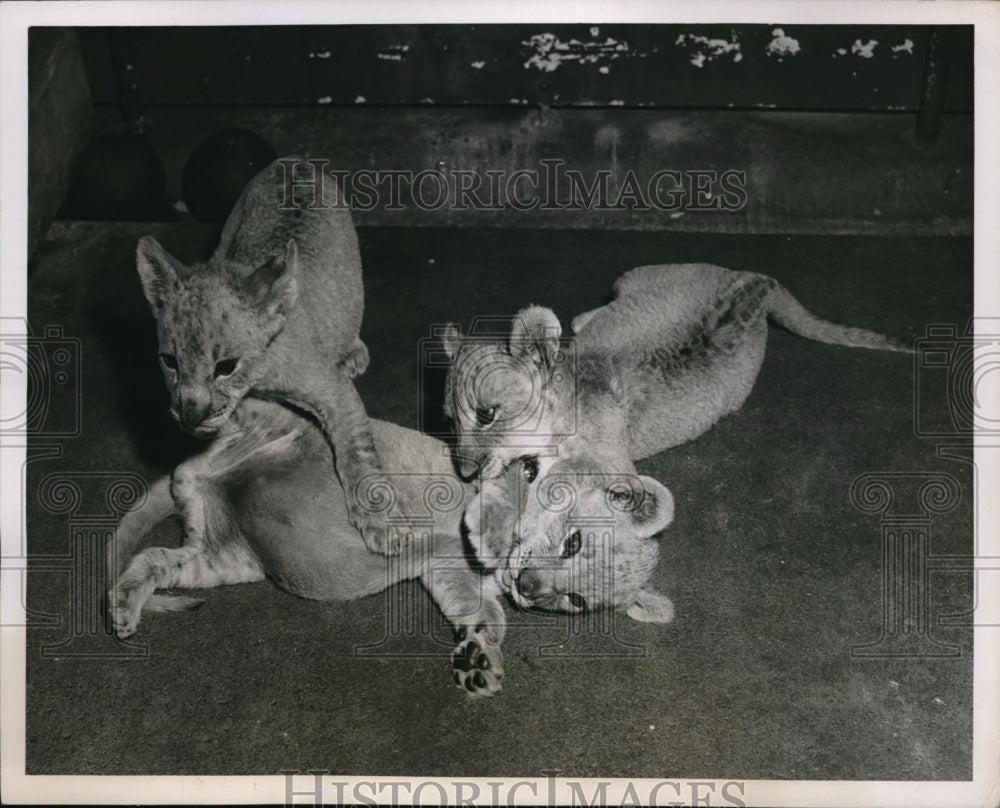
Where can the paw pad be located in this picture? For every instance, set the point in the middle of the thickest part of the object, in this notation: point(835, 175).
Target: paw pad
point(477, 664)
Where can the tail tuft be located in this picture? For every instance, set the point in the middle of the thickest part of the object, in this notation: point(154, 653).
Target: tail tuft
point(171, 603)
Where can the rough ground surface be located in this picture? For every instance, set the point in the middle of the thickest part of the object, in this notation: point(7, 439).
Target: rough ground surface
point(774, 573)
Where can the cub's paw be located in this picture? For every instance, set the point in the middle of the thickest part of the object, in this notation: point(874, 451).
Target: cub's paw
point(477, 662)
point(125, 608)
point(580, 321)
point(381, 536)
point(355, 361)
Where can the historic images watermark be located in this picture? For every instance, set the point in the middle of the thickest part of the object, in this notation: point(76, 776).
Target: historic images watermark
point(955, 397)
point(962, 366)
point(48, 365)
point(321, 787)
point(549, 186)
point(485, 365)
point(467, 579)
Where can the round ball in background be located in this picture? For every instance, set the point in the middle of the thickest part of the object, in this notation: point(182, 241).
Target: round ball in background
point(219, 169)
point(117, 177)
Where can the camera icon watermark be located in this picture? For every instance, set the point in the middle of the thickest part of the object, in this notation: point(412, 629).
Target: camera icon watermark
point(964, 370)
point(49, 368)
point(468, 590)
point(493, 378)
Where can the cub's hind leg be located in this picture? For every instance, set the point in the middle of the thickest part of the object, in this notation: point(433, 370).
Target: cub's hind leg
point(212, 553)
point(188, 567)
point(740, 308)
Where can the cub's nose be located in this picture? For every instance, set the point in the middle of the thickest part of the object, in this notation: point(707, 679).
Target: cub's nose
point(467, 467)
point(194, 410)
point(529, 583)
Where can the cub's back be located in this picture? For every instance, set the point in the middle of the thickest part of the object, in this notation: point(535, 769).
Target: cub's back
point(330, 305)
point(653, 306)
point(660, 331)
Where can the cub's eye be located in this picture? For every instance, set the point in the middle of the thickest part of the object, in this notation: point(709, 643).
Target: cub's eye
point(620, 495)
point(224, 368)
point(529, 468)
point(169, 361)
point(572, 545)
point(577, 601)
point(485, 415)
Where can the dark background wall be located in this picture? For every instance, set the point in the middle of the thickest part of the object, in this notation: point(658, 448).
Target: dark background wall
point(816, 68)
point(833, 129)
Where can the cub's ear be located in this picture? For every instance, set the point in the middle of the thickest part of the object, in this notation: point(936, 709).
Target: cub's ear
point(535, 335)
point(650, 607)
point(272, 285)
point(651, 508)
point(158, 270)
point(451, 339)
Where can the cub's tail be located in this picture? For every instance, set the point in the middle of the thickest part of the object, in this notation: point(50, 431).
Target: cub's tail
point(161, 602)
point(159, 505)
point(789, 313)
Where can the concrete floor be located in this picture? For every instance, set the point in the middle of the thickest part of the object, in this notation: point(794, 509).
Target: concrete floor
point(775, 574)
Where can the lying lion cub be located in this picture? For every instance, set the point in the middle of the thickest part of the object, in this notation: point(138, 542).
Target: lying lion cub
point(679, 347)
point(265, 500)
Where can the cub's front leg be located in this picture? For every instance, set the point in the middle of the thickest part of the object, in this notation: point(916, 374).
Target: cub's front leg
point(330, 396)
point(471, 603)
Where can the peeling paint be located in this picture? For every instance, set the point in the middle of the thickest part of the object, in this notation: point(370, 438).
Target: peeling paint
point(477, 65)
point(604, 69)
point(906, 46)
point(549, 51)
point(840, 52)
point(360, 99)
point(617, 103)
point(708, 50)
point(781, 45)
point(866, 50)
point(320, 54)
point(595, 31)
point(394, 53)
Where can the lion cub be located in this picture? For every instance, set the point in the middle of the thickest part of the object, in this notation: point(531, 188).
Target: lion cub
point(274, 313)
point(268, 504)
point(678, 348)
point(584, 537)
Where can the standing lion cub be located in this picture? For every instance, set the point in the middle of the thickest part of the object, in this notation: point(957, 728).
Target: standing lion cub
point(274, 313)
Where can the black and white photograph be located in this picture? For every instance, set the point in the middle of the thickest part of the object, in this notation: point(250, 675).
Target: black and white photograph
point(493, 404)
